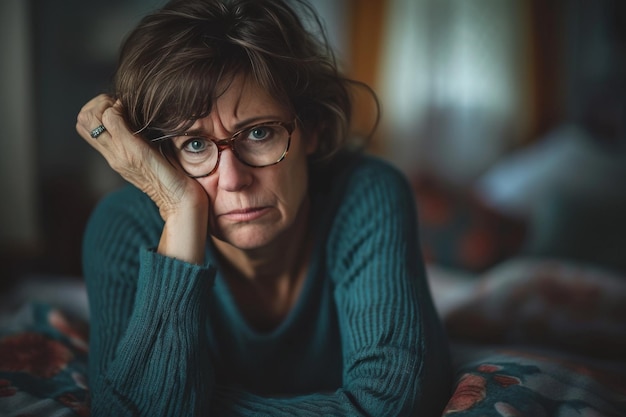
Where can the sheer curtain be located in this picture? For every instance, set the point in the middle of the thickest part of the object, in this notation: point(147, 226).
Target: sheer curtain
point(452, 83)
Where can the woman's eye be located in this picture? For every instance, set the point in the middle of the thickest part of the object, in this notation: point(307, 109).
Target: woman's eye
point(259, 133)
point(195, 145)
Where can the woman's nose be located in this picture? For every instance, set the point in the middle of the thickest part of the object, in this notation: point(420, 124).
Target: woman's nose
point(233, 175)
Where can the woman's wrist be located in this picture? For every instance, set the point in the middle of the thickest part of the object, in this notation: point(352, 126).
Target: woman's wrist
point(185, 233)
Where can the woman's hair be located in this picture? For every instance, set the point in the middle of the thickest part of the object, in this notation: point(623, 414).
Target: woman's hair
point(179, 59)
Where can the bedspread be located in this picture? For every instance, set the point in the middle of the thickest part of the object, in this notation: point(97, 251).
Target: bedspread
point(529, 338)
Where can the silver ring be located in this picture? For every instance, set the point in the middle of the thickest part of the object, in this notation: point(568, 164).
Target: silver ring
point(97, 131)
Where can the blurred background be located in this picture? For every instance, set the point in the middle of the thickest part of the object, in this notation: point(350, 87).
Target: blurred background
point(508, 117)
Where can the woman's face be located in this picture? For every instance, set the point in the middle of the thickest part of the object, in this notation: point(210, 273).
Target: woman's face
point(251, 207)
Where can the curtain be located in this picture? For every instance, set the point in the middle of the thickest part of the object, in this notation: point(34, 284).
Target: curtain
point(453, 83)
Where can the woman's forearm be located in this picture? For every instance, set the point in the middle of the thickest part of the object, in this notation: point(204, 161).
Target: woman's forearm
point(158, 365)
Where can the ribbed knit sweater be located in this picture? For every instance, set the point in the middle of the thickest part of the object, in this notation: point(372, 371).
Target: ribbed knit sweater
point(363, 339)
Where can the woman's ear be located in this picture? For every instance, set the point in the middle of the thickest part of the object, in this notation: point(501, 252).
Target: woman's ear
point(312, 141)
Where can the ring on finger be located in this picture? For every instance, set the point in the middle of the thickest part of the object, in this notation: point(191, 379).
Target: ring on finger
point(97, 131)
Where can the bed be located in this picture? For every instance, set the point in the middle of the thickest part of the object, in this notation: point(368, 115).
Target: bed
point(529, 337)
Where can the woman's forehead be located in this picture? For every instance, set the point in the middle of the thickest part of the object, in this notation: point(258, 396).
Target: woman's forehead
point(244, 99)
point(243, 94)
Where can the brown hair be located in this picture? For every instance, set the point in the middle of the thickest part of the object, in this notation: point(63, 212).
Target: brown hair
point(174, 63)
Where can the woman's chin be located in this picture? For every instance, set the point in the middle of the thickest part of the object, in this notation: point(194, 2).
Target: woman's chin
point(248, 236)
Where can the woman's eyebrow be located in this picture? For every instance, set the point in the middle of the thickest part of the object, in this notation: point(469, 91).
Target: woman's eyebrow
point(238, 126)
point(253, 120)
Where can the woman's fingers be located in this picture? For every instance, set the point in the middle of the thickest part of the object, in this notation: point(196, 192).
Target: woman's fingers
point(89, 117)
point(112, 118)
point(128, 154)
point(120, 147)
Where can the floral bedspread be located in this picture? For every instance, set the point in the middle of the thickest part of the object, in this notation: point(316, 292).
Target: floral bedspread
point(523, 381)
point(536, 338)
point(43, 364)
point(528, 338)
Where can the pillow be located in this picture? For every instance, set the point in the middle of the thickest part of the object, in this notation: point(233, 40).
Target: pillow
point(43, 363)
point(570, 306)
point(457, 230)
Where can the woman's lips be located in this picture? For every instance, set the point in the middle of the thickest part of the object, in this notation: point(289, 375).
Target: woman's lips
point(245, 215)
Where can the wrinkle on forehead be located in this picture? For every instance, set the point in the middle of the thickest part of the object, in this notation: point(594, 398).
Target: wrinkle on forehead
point(242, 100)
point(242, 84)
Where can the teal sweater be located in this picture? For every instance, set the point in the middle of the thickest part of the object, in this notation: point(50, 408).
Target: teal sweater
point(363, 339)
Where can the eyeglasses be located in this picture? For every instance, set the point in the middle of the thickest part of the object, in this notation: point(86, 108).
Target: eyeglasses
point(257, 146)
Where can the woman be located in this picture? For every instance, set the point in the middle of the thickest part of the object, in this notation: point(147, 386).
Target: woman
point(251, 268)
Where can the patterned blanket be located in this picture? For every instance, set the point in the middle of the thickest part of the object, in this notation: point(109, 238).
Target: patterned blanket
point(529, 338)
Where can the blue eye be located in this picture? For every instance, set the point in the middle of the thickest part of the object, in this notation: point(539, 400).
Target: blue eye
point(259, 133)
point(195, 145)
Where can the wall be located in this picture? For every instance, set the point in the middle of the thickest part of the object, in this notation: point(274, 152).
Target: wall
point(19, 223)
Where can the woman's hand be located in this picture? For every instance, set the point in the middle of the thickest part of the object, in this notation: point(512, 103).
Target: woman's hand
point(182, 202)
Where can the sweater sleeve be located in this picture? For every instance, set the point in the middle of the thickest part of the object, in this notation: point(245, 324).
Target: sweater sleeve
point(396, 358)
point(395, 354)
point(147, 313)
